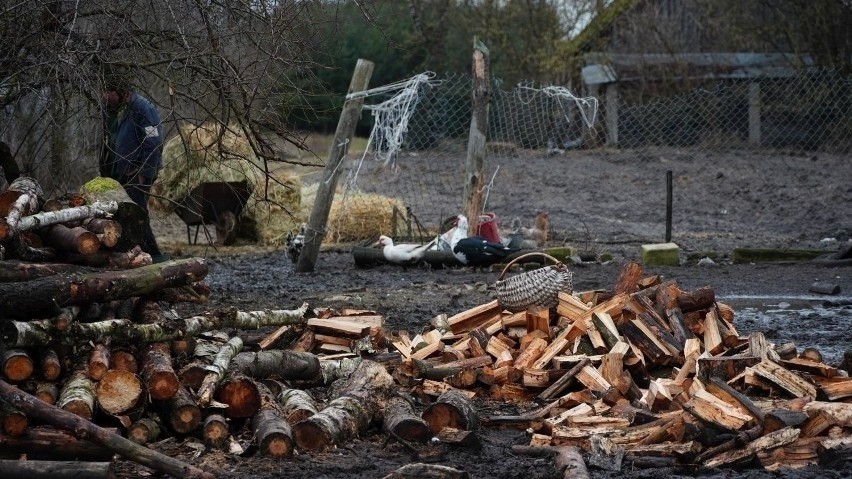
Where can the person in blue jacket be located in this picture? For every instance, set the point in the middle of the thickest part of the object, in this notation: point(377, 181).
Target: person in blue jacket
point(133, 148)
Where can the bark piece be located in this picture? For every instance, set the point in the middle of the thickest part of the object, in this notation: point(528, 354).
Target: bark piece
point(451, 409)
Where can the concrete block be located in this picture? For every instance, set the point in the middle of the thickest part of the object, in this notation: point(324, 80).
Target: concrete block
point(661, 254)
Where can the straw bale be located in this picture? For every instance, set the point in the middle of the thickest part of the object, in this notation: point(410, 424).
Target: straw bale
point(361, 216)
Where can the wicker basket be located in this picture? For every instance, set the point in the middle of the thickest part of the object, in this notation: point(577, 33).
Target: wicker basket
point(540, 287)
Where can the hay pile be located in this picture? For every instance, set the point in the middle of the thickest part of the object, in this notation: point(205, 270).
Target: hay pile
point(362, 216)
point(209, 153)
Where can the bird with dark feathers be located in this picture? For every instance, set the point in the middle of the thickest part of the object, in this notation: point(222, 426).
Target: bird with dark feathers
point(477, 251)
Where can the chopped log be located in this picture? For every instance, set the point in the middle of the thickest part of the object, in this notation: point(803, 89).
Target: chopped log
point(45, 295)
point(769, 441)
point(787, 380)
point(431, 471)
point(697, 300)
point(713, 343)
point(124, 360)
point(605, 454)
point(722, 390)
point(45, 442)
point(654, 352)
point(184, 415)
point(451, 409)
point(835, 389)
point(119, 391)
point(240, 394)
point(144, 431)
point(47, 392)
point(56, 469)
point(296, 405)
point(724, 368)
point(628, 278)
point(473, 318)
point(457, 437)
point(272, 433)
point(713, 410)
point(108, 231)
point(839, 413)
point(344, 417)
point(281, 364)
point(78, 395)
point(50, 366)
point(568, 460)
point(17, 365)
point(758, 347)
point(157, 373)
point(98, 361)
point(63, 419)
point(810, 367)
point(269, 340)
point(400, 420)
point(217, 369)
point(13, 422)
point(77, 240)
point(680, 331)
point(780, 418)
point(562, 383)
point(606, 327)
point(216, 432)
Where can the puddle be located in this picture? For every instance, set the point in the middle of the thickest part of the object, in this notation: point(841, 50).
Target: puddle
point(821, 322)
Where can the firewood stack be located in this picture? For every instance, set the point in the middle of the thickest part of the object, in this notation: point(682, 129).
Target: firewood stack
point(647, 372)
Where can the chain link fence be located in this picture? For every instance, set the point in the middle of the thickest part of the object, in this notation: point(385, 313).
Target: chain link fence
point(535, 129)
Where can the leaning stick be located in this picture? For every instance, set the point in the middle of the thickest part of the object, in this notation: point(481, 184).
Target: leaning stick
point(86, 429)
point(217, 369)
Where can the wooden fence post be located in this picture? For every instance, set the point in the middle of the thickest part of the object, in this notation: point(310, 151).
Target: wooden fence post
point(472, 199)
point(612, 114)
point(754, 136)
point(315, 231)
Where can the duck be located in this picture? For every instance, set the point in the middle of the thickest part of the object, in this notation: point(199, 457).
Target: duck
point(476, 251)
point(404, 253)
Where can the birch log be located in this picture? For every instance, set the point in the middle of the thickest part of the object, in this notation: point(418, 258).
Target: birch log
point(21, 199)
point(351, 413)
point(217, 370)
point(278, 364)
point(296, 405)
point(78, 395)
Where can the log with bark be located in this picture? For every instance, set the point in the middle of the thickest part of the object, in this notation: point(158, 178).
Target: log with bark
point(56, 469)
point(108, 231)
point(48, 218)
point(451, 409)
point(345, 417)
point(144, 431)
point(279, 364)
point(98, 361)
point(46, 442)
point(272, 432)
point(44, 296)
point(296, 405)
point(118, 391)
point(12, 271)
point(65, 420)
point(216, 432)
point(19, 200)
point(400, 420)
point(78, 395)
point(240, 394)
point(158, 375)
point(217, 369)
point(13, 422)
point(183, 413)
point(17, 365)
point(65, 240)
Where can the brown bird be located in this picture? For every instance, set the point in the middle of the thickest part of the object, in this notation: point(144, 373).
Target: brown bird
point(531, 238)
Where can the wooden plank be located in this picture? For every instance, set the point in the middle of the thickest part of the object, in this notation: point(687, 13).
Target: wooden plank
point(473, 318)
point(787, 380)
point(340, 327)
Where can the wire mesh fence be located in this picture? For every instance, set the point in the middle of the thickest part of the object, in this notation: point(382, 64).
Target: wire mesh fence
point(532, 127)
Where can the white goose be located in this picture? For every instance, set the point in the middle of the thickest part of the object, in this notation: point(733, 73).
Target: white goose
point(402, 253)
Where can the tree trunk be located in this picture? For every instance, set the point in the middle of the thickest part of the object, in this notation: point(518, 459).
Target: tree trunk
point(68, 421)
point(403, 423)
point(50, 366)
point(119, 391)
point(77, 240)
point(296, 405)
point(45, 295)
point(157, 373)
point(45, 442)
point(217, 370)
point(451, 409)
point(108, 231)
point(351, 413)
point(272, 433)
point(184, 414)
point(56, 469)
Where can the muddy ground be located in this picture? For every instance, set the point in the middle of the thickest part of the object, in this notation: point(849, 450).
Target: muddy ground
point(724, 200)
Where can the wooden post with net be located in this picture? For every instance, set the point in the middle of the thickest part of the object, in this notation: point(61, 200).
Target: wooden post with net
point(472, 201)
point(315, 231)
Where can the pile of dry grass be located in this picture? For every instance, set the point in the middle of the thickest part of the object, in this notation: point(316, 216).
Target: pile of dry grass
point(211, 153)
point(357, 217)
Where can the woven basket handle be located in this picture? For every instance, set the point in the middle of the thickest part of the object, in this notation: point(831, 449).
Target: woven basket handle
point(534, 253)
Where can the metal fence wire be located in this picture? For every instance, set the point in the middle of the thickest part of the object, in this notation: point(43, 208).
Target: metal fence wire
point(424, 180)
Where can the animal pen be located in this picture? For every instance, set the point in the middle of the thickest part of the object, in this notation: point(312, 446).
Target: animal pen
point(411, 178)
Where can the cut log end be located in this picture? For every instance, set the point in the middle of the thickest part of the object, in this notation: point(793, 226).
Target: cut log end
point(310, 436)
point(163, 385)
point(18, 366)
point(118, 391)
point(216, 431)
point(241, 396)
